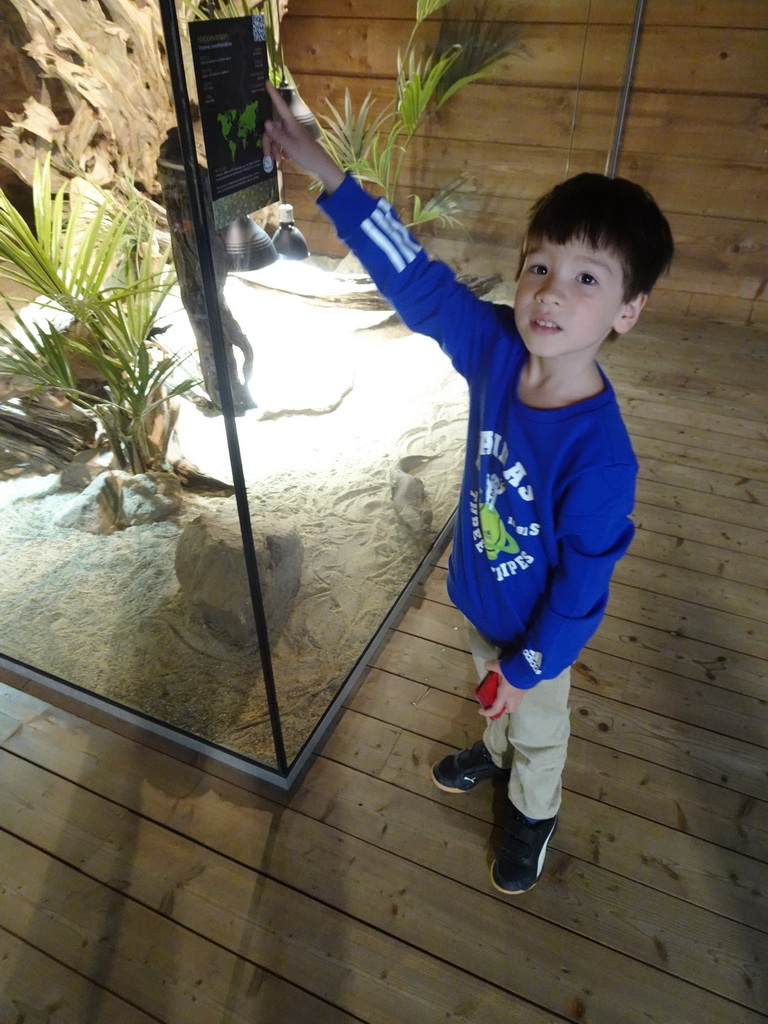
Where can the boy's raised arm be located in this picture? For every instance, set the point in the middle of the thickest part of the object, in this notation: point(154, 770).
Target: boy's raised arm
point(284, 136)
point(424, 292)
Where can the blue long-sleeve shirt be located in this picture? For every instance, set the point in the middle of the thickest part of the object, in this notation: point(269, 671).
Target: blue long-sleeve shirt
point(546, 493)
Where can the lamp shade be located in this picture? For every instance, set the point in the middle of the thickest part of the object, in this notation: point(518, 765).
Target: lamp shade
point(248, 246)
point(288, 240)
point(299, 109)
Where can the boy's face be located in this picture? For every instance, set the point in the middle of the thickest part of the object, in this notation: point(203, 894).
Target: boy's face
point(570, 297)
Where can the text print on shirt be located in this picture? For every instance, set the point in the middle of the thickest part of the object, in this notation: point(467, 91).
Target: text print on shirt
point(492, 533)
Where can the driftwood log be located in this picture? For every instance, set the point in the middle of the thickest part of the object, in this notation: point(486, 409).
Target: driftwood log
point(185, 256)
point(95, 91)
point(88, 81)
point(40, 430)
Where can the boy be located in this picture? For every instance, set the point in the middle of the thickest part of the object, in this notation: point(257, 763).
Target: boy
point(549, 475)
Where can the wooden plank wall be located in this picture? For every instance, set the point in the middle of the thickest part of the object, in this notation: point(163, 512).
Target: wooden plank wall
point(696, 132)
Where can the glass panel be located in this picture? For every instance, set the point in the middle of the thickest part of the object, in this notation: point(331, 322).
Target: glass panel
point(354, 452)
point(352, 459)
point(118, 587)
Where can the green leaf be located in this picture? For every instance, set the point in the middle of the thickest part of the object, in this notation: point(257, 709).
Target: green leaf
point(95, 255)
point(426, 8)
point(349, 136)
point(442, 206)
point(417, 86)
point(484, 40)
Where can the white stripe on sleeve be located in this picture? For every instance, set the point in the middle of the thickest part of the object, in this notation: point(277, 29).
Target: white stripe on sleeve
point(387, 220)
point(391, 237)
point(385, 244)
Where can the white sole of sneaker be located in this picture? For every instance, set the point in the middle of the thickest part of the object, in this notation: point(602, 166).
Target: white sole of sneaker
point(509, 892)
point(449, 789)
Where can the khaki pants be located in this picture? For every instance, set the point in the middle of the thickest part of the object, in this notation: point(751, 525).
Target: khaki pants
point(533, 742)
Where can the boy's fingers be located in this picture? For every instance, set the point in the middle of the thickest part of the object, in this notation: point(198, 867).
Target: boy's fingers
point(269, 142)
point(497, 708)
point(279, 103)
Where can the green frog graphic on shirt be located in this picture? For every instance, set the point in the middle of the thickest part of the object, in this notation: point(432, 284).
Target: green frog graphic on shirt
point(497, 540)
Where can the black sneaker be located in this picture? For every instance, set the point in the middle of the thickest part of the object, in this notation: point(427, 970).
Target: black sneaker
point(458, 773)
point(521, 861)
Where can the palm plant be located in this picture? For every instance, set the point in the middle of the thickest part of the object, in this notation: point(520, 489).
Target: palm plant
point(95, 257)
point(484, 39)
point(373, 146)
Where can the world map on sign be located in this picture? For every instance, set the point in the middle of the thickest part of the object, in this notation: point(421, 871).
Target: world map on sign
point(239, 127)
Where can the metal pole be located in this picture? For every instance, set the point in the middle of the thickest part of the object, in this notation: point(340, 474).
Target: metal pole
point(202, 231)
point(613, 156)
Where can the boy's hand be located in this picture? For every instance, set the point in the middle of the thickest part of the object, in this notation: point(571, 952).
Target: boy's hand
point(284, 136)
point(508, 697)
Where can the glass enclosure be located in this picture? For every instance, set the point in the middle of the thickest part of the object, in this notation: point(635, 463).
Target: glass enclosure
point(135, 591)
point(229, 602)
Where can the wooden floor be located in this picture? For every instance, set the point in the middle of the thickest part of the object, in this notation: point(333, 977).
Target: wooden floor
point(136, 888)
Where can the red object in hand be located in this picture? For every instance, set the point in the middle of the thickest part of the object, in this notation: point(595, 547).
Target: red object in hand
point(486, 691)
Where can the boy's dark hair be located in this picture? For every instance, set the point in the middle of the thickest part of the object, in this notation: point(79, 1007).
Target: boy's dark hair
point(606, 213)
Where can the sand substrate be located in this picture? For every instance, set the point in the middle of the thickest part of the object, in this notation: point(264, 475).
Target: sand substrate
point(344, 396)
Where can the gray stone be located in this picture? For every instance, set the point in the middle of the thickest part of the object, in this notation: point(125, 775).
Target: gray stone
point(210, 566)
point(150, 498)
point(84, 468)
point(98, 508)
point(409, 496)
point(116, 500)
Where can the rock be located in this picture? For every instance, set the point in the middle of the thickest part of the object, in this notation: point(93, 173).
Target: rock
point(409, 495)
point(84, 468)
point(150, 498)
point(96, 509)
point(210, 566)
point(116, 500)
